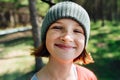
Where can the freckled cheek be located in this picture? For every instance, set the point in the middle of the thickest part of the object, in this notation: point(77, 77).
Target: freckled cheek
point(80, 42)
point(49, 40)
point(52, 36)
point(48, 37)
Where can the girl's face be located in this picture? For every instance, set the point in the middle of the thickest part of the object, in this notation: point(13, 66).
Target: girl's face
point(65, 40)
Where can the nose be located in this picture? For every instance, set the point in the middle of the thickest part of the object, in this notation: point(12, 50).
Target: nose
point(66, 37)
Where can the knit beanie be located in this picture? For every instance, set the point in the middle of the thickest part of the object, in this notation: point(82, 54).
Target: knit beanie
point(66, 9)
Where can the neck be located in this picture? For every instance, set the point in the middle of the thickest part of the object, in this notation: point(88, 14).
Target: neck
point(59, 70)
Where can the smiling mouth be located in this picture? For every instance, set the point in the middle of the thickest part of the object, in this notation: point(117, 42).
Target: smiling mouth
point(62, 46)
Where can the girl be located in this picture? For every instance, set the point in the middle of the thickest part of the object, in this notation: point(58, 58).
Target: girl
point(64, 37)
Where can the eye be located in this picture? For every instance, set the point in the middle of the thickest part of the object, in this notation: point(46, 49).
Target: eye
point(77, 31)
point(56, 27)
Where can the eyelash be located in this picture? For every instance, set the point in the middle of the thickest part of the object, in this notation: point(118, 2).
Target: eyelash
point(77, 31)
point(57, 27)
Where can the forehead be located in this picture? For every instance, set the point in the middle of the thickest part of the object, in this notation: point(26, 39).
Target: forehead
point(68, 21)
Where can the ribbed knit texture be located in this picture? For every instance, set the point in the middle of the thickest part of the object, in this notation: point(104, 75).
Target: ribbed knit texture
point(66, 9)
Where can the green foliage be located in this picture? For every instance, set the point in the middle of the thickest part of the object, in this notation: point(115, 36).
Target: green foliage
point(7, 0)
point(17, 63)
point(41, 7)
point(15, 44)
point(17, 3)
point(25, 2)
point(103, 45)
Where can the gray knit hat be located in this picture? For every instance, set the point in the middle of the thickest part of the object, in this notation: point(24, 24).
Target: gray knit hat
point(66, 9)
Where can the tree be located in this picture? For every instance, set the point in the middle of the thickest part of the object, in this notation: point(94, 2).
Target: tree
point(50, 2)
point(114, 11)
point(99, 10)
point(35, 32)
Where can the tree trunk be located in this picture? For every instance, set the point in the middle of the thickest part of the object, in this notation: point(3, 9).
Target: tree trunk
point(114, 11)
point(99, 10)
point(35, 32)
point(102, 15)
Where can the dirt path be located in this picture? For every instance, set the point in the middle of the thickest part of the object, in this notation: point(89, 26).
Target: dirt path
point(13, 36)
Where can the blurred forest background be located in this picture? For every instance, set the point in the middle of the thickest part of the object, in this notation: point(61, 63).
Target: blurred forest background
point(20, 22)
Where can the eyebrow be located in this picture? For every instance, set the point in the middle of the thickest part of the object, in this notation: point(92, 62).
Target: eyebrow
point(57, 22)
point(79, 24)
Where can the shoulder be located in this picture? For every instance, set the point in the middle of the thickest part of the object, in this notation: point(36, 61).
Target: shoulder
point(83, 69)
point(34, 77)
point(85, 73)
